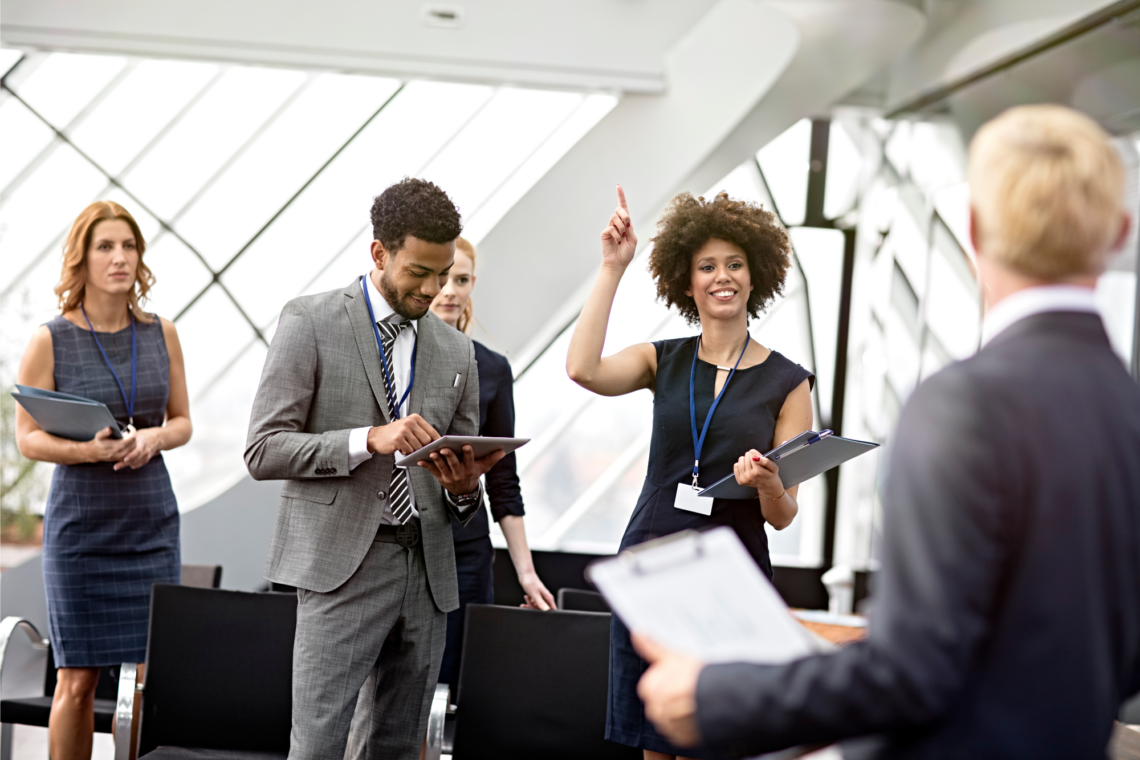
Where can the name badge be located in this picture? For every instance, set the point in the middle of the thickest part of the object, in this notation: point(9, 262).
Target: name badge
point(688, 500)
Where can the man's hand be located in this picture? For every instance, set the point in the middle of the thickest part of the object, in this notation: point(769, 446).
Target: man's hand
point(460, 476)
point(405, 435)
point(669, 691)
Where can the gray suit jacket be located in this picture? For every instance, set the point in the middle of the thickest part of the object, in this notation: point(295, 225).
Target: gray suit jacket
point(322, 378)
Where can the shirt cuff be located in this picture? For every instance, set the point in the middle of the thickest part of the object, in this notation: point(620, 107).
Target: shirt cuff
point(358, 447)
point(468, 504)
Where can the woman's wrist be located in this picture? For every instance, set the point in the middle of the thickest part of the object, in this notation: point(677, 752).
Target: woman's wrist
point(772, 498)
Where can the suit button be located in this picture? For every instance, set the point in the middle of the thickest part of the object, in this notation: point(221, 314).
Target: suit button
point(332, 471)
point(381, 495)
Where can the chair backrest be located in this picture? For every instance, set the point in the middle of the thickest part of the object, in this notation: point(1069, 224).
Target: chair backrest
point(202, 576)
point(571, 599)
point(219, 668)
point(533, 684)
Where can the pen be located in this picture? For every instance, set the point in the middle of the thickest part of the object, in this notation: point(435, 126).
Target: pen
point(814, 439)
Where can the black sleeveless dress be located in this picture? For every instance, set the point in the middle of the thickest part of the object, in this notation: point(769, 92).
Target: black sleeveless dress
point(745, 419)
point(108, 536)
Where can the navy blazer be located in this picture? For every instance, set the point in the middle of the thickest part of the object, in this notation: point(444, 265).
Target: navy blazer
point(1006, 616)
point(496, 418)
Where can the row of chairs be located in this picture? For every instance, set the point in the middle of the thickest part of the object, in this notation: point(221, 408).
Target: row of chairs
point(219, 669)
point(36, 710)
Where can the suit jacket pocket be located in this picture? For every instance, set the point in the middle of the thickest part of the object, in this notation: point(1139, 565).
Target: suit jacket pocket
point(318, 491)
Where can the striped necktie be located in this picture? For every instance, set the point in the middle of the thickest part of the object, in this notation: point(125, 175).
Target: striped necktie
point(399, 495)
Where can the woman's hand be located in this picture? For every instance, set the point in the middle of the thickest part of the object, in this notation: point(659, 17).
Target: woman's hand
point(757, 471)
point(535, 593)
point(148, 442)
point(104, 448)
point(619, 242)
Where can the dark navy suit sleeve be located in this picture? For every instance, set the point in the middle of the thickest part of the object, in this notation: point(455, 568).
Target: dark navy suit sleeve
point(499, 421)
point(946, 541)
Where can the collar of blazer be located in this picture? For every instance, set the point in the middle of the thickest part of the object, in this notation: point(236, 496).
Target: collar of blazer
point(428, 338)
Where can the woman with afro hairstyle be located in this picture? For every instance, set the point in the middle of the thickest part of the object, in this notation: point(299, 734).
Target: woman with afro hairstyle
point(718, 262)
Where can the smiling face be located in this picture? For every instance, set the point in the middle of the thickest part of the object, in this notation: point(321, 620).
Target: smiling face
point(452, 300)
point(413, 276)
point(720, 280)
point(112, 257)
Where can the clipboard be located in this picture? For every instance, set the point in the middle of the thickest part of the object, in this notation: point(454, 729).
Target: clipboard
point(62, 414)
point(802, 458)
point(480, 444)
point(702, 594)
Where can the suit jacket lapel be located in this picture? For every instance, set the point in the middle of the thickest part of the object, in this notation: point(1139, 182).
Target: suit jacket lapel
point(366, 344)
point(425, 356)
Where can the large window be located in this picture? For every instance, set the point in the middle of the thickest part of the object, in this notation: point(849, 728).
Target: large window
point(252, 185)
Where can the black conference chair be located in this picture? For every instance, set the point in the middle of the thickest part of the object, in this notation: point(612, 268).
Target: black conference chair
point(531, 684)
point(36, 710)
point(572, 599)
point(219, 671)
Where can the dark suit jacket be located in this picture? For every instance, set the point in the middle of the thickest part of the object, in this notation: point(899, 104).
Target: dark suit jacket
point(1007, 611)
point(496, 419)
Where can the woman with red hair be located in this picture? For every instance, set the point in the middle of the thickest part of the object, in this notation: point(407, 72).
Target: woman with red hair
point(111, 526)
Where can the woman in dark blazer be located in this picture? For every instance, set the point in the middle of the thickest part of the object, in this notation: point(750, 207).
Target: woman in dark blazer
point(473, 552)
point(111, 525)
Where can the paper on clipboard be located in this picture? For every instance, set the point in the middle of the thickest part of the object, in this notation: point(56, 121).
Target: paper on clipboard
point(701, 594)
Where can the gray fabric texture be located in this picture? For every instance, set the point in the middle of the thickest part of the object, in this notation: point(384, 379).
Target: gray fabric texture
point(322, 378)
point(377, 640)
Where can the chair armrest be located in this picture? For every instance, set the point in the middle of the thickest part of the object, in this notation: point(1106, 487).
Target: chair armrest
point(436, 718)
point(8, 626)
point(125, 710)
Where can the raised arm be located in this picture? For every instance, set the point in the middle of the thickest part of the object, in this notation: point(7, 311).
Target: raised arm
point(630, 369)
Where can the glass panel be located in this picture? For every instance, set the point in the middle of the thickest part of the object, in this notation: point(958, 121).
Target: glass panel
point(38, 215)
point(399, 142)
point(25, 307)
point(213, 333)
point(952, 308)
point(310, 130)
point(121, 126)
point(1116, 299)
point(63, 84)
point(213, 460)
point(353, 260)
point(19, 126)
point(207, 135)
point(591, 111)
point(844, 162)
point(786, 164)
point(908, 244)
point(178, 275)
point(937, 156)
point(8, 59)
point(493, 144)
point(821, 255)
point(148, 225)
point(953, 205)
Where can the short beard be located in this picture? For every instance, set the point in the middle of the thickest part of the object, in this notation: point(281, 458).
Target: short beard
point(392, 296)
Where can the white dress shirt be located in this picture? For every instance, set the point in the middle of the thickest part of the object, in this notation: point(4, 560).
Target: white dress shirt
point(1025, 303)
point(401, 361)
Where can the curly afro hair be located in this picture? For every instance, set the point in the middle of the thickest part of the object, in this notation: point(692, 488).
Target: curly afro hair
point(688, 223)
point(414, 207)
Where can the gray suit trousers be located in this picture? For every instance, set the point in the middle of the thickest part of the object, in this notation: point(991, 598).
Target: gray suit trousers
point(381, 624)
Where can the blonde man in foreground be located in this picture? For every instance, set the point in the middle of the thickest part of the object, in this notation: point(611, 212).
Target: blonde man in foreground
point(1007, 611)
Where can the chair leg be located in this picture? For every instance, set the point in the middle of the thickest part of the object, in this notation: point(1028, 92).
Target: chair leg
point(5, 741)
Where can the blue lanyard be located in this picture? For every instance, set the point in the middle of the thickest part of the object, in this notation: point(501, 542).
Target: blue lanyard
point(134, 364)
point(699, 441)
point(384, 359)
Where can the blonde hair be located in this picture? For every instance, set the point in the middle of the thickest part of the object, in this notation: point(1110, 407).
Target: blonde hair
point(1047, 191)
point(466, 322)
point(73, 279)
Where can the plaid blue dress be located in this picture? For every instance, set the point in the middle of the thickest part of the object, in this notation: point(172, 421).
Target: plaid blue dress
point(108, 536)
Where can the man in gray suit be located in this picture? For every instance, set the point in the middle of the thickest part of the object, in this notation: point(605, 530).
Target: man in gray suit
point(354, 377)
point(1006, 618)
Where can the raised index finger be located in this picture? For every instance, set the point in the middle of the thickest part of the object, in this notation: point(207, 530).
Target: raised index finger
point(621, 198)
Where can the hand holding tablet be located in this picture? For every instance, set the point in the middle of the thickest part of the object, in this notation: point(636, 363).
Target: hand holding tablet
point(481, 446)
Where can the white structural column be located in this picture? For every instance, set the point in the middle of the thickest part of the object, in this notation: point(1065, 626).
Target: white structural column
point(536, 258)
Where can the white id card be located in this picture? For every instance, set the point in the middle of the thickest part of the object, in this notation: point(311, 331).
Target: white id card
point(688, 500)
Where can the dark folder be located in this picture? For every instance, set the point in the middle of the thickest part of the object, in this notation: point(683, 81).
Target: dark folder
point(800, 459)
point(72, 417)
